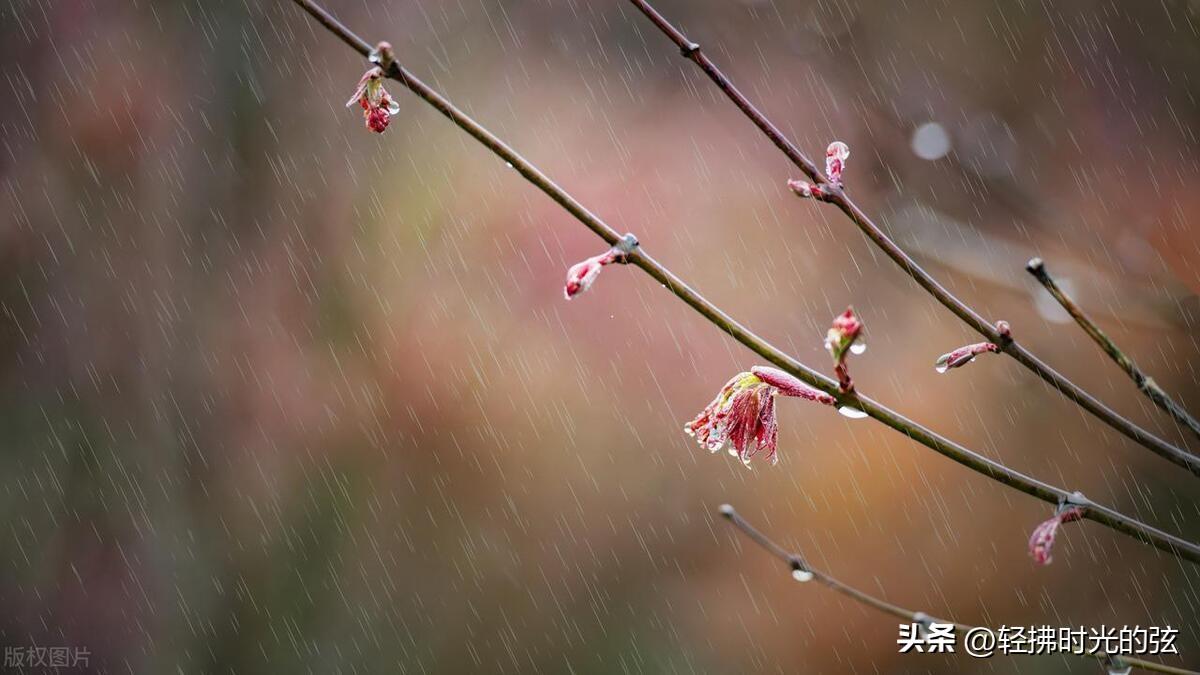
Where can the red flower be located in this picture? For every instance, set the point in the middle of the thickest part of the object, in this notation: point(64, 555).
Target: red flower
point(1042, 540)
point(378, 106)
point(743, 413)
point(963, 355)
point(835, 161)
point(840, 341)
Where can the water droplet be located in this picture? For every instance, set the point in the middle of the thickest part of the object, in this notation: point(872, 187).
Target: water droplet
point(930, 141)
point(802, 575)
point(508, 164)
point(941, 367)
point(858, 348)
point(393, 107)
point(1119, 669)
point(852, 413)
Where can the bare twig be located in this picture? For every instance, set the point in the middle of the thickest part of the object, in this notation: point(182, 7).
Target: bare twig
point(1146, 384)
point(835, 195)
point(996, 471)
point(799, 566)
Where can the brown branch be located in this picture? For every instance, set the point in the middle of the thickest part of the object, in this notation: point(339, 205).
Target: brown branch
point(996, 471)
point(798, 565)
point(834, 194)
point(1144, 383)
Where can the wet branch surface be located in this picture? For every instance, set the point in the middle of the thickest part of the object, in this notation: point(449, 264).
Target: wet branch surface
point(1145, 383)
point(835, 195)
point(1111, 518)
point(797, 563)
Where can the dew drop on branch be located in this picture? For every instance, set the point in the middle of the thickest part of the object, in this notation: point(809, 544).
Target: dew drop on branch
point(851, 412)
point(802, 575)
point(858, 348)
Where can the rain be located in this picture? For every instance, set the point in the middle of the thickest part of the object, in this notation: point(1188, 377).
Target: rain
point(291, 384)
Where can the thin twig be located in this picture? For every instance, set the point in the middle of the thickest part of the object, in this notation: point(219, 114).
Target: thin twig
point(1146, 384)
point(797, 564)
point(835, 195)
point(999, 472)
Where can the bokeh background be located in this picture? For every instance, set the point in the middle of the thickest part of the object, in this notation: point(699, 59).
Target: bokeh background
point(281, 395)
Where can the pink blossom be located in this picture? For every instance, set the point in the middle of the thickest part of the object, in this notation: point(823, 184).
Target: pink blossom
point(841, 336)
point(743, 413)
point(963, 355)
point(377, 105)
point(835, 161)
point(1042, 540)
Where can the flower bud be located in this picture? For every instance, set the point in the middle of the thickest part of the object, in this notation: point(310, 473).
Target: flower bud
point(835, 161)
point(963, 355)
point(1041, 542)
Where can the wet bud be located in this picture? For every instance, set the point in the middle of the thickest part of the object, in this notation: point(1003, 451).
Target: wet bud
point(383, 56)
point(835, 161)
point(582, 275)
point(377, 104)
point(963, 355)
point(1041, 542)
point(806, 190)
point(840, 342)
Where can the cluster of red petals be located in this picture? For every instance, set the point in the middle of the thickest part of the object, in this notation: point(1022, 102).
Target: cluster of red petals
point(1041, 542)
point(743, 413)
point(377, 105)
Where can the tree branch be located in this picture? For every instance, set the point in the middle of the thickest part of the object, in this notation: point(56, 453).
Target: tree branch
point(1111, 518)
point(799, 566)
point(1146, 384)
point(835, 195)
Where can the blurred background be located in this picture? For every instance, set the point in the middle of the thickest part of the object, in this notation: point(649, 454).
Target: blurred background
point(283, 395)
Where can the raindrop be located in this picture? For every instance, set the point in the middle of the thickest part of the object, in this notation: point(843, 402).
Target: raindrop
point(930, 141)
point(805, 575)
point(508, 164)
point(858, 348)
point(852, 413)
point(941, 367)
point(1119, 668)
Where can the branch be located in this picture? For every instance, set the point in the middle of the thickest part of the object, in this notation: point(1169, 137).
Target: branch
point(834, 194)
point(1115, 520)
point(1146, 384)
point(802, 570)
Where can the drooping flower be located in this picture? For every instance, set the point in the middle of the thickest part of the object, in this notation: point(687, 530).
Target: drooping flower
point(835, 161)
point(1041, 542)
point(743, 413)
point(582, 275)
point(378, 106)
point(840, 341)
point(963, 355)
